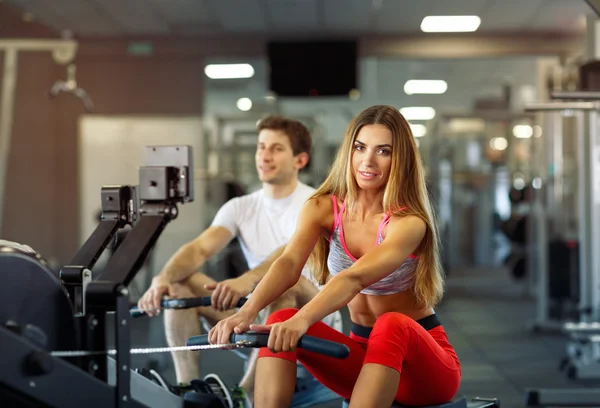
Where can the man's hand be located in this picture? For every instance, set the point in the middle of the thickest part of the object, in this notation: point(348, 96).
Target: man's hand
point(228, 292)
point(150, 302)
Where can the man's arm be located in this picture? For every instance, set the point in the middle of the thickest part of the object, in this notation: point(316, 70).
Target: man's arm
point(227, 293)
point(254, 276)
point(194, 254)
point(183, 263)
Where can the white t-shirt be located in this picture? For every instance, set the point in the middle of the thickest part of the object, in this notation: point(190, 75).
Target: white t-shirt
point(263, 224)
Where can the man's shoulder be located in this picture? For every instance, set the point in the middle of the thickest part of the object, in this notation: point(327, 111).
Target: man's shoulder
point(247, 199)
point(305, 191)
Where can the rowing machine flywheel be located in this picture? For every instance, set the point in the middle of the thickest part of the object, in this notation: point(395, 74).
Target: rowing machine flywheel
point(31, 294)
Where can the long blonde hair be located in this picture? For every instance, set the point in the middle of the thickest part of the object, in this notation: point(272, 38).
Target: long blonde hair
point(405, 194)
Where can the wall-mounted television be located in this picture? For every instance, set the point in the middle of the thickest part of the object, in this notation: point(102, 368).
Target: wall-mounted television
point(312, 68)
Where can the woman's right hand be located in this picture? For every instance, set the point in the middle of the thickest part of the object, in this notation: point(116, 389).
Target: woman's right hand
point(238, 323)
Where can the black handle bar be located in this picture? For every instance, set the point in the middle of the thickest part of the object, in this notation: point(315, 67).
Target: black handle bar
point(185, 303)
point(257, 340)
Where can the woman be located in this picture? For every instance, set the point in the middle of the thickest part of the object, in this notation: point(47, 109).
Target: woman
point(370, 235)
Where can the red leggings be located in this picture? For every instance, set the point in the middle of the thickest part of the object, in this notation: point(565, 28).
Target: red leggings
point(429, 367)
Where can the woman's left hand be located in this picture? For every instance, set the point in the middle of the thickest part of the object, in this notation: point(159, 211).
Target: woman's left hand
point(283, 336)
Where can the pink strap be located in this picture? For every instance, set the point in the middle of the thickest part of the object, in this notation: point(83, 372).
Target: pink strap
point(384, 222)
point(335, 216)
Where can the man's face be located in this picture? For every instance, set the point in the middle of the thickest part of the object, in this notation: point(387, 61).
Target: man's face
point(275, 160)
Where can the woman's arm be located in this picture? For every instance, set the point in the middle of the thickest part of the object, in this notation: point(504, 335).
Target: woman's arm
point(403, 237)
point(287, 269)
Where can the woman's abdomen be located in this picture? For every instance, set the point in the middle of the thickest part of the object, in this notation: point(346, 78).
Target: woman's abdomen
point(365, 309)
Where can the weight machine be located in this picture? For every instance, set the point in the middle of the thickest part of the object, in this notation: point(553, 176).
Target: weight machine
point(583, 345)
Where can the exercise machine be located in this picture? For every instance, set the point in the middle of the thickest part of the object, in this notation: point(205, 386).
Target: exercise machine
point(583, 351)
point(336, 350)
point(53, 329)
point(309, 391)
point(253, 339)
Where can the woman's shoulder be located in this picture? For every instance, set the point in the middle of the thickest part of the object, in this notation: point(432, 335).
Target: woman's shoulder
point(407, 221)
point(321, 202)
point(320, 207)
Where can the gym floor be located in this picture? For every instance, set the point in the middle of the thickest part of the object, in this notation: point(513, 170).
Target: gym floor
point(488, 320)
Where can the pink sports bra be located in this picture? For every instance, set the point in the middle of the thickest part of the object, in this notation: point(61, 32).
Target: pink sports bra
point(340, 258)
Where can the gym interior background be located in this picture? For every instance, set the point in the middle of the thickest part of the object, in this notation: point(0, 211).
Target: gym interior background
point(507, 136)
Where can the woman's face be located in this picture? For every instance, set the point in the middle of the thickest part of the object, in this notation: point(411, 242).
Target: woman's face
point(372, 157)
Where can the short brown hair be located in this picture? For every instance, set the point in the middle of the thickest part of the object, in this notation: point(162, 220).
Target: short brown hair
point(296, 132)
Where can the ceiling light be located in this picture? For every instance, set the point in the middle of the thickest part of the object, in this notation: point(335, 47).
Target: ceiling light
point(450, 24)
point(466, 125)
point(523, 131)
point(418, 130)
point(425, 86)
point(498, 143)
point(229, 71)
point(244, 104)
point(418, 113)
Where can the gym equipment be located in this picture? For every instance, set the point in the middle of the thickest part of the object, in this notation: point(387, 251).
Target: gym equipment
point(461, 402)
point(308, 390)
point(564, 214)
point(57, 343)
point(582, 360)
point(332, 349)
point(255, 339)
point(184, 303)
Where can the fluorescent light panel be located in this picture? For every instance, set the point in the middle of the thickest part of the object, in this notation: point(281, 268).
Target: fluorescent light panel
point(418, 130)
point(425, 86)
point(450, 24)
point(466, 125)
point(523, 131)
point(229, 71)
point(418, 113)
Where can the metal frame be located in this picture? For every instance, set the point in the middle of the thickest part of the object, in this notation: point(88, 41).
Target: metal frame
point(588, 176)
point(581, 364)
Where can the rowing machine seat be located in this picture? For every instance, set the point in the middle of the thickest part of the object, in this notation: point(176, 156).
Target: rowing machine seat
point(458, 403)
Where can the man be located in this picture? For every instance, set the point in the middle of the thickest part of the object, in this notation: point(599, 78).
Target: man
point(263, 222)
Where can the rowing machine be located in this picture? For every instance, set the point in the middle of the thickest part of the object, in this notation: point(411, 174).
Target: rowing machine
point(43, 315)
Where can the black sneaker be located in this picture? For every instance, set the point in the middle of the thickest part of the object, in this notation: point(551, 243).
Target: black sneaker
point(218, 388)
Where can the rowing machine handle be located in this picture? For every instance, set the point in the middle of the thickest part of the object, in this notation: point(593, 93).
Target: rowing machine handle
point(185, 303)
point(309, 343)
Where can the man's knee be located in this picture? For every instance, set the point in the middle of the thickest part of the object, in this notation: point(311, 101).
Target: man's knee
point(192, 286)
point(296, 296)
point(288, 300)
point(180, 290)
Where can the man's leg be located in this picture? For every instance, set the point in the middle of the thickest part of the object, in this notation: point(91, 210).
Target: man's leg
point(181, 324)
point(295, 297)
